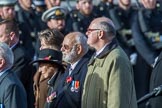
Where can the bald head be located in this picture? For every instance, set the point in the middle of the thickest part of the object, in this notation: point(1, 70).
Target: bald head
point(103, 19)
point(100, 32)
point(71, 36)
point(105, 24)
point(77, 38)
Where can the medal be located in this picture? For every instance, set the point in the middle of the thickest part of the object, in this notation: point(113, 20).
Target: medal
point(51, 97)
point(76, 86)
point(72, 86)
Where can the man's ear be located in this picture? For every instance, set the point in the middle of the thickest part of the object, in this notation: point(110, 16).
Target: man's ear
point(79, 49)
point(12, 35)
point(100, 34)
point(2, 63)
point(77, 6)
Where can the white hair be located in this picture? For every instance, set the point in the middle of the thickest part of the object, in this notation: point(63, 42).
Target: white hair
point(82, 39)
point(108, 27)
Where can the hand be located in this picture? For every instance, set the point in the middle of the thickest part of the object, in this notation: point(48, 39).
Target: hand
point(148, 4)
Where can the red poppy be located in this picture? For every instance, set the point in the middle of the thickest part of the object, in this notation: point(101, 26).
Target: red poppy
point(47, 58)
point(68, 79)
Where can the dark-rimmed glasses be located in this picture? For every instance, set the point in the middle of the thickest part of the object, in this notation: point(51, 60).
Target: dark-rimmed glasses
point(91, 30)
point(68, 47)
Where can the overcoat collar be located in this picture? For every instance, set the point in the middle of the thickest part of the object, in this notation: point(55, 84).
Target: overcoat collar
point(158, 60)
point(4, 75)
point(106, 50)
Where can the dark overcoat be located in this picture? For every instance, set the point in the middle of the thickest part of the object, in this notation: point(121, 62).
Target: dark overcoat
point(12, 92)
point(155, 81)
point(68, 94)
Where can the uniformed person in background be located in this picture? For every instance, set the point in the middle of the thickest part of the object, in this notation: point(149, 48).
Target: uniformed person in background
point(103, 7)
point(82, 15)
point(39, 7)
point(120, 14)
point(56, 18)
point(28, 16)
point(150, 44)
point(126, 13)
point(23, 16)
point(150, 32)
point(7, 9)
point(156, 81)
point(123, 21)
point(146, 27)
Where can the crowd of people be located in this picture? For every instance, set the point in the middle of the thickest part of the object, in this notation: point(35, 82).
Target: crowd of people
point(103, 55)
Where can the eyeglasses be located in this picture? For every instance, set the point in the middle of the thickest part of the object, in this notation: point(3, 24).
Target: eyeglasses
point(68, 47)
point(91, 30)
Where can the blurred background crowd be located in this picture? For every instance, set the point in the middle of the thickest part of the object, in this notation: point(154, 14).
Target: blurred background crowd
point(138, 24)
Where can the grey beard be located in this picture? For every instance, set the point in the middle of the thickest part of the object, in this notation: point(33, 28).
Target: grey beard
point(71, 56)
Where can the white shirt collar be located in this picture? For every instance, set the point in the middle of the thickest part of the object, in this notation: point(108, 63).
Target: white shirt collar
point(98, 52)
point(74, 65)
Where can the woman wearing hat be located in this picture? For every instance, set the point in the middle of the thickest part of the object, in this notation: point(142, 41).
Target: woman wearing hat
point(49, 67)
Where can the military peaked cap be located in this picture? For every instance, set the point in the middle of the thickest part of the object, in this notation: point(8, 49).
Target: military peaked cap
point(56, 12)
point(7, 2)
point(39, 2)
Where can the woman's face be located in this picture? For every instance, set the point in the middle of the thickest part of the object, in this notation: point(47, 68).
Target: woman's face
point(47, 69)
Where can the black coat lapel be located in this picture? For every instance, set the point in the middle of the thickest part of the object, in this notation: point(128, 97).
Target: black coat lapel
point(106, 50)
point(79, 65)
